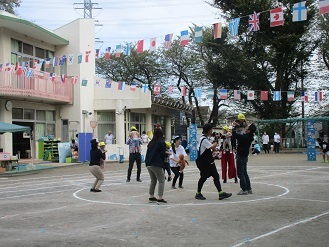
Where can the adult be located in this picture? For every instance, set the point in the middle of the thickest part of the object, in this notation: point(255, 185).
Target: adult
point(134, 155)
point(154, 161)
point(176, 150)
point(242, 158)
point(145, 137)
point(265, 141)
point(108, 138)
point(324, 148)
point(206, 164)
point(227, 161)
point(95, 165)
point(276, 142)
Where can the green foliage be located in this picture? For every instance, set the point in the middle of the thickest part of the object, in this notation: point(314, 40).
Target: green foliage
point(9, 5)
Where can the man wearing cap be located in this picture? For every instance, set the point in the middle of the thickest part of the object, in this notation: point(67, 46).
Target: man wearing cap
point(206, 164)
point(134, 155)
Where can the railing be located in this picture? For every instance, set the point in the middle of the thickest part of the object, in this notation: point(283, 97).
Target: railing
point(35, 87)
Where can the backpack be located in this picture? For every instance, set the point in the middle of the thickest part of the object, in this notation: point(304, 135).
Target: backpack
point(205, 159)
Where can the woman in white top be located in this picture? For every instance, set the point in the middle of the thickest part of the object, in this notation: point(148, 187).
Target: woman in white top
point(176, 149)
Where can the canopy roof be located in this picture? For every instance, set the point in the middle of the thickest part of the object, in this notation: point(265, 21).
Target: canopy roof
point(11, 128)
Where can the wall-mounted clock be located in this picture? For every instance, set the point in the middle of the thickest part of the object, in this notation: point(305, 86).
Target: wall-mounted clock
point(8, 105)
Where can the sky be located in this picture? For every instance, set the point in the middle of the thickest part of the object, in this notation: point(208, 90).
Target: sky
point(123, 21)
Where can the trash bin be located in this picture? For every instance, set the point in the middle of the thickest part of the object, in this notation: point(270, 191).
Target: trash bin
point(28, 154)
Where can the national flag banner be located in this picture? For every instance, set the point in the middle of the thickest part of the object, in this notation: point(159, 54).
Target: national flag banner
point(170, 90)
point(35, 64)
point(254, 22)
point(318, 96)
point(62, 60)
point(74, 79)
point(55, 61)
point(323, 6)
point(1, 66)
point(52, 76)
point(234, 26)
point(223, 93)
point(157, 89)
point(63, 78)
point(70, 59)
point(153, 44)
point(79, 58)
point(276, 95)
point(121, 85)
point(183, 91)
point(97, 53)
point(108, 83)
point(128, 49)
point(168, 40)
point(263, 95)
point(250, 95)
point(19, 70)
point(184, 38)
point(198, 92)
point(118, 51)
point(84, 82)
point(198, 35)
point(210, 93)
point(290, 95)
point(217, 30)
point(107, 53)
point(98, 82)
point(133, 86)
point(305, 96)
point(29, 73)
point(39, 64)
point(299, 12)
point(87, 56)
point(9, 67)
point(145, 88)
point(41, 74)
point(276, 18)
point(237, 94)
point(140, 46)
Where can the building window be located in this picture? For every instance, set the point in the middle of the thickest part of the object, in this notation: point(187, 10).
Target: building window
point(17, 113)
point(106, 123)
point(28, 49)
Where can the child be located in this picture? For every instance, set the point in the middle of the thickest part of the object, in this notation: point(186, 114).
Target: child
point(256, 148)
point(166, 160)
point(240, 124)
point(102, 148)
point(227, 139)
point(134, 134)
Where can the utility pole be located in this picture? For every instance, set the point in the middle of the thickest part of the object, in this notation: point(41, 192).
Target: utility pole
point(303, 101)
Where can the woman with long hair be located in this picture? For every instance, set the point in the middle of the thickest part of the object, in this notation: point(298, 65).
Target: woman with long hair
point(154, 161)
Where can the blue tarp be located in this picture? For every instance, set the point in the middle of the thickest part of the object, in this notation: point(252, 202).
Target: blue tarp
point(11, 128)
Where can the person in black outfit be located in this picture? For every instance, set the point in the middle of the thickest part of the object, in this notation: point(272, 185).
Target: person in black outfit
point(94, 166)
point(134, 155)
point(244, 141)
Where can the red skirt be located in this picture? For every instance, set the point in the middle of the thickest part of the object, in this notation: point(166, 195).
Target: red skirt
point(227, 160)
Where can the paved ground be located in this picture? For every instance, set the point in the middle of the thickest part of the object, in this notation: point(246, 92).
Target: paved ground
point(53, 207)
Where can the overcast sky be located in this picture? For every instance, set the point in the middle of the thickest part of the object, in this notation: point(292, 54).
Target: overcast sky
point(123, 21)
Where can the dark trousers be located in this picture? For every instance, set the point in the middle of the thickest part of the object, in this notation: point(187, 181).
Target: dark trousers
point(179, 175)
point(276, 147)
point(266, 148)
point(241, 165)
point(167, 168)
point(132, 158)
point(210, 171)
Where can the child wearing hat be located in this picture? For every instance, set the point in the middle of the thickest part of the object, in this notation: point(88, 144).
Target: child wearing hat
point(102, 148)
point(134, 134)
point(227, 139)
point(240, 124)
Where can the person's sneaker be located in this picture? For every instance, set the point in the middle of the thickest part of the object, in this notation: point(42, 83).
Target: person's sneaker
point(161, 201)
point(236, 180)
point(169, 179)
point(199, 196)
point(181, 186)
point(242, 192)
point(128, 180)
point(249, 191)
point(173, 187)
point(92, 190)
point(224, 181)
point(152, 200)
point(97, 190)
point(138, 180)
point(224, 195)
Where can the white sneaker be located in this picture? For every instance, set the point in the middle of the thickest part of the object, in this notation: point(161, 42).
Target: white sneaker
point(242, 192)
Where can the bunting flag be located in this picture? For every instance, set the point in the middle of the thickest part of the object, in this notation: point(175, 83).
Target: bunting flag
point(198, 92)
point(41, 74)
point(318, 96)
point(84, 82)
point(74, 79)
point(87, 56)
point(217, 30)
point(276, 95)
point(55, 61)
point(108, 83)
point(157, 89)
point(254, 22)
point(107, 53)
point(29, 73)
point(70, 59)
point(184, 38)
point(1, 66)
point(140, 46)
point(79, 58)
point(263, 95)
point(237, 95)
point(323, 6)
point(183, 91)
point(62, 60)
point(52, 76)
point(153, 44)
point(121, 85)
point(250, 95)
point(234, 26)
point(19, 70)
point(63, 78)
point(305, 96)
point(97, 53)
point(168, 40)
point(276, 17)
point(118, 51)
point(144, 88)
point(98, 83)
point(198, 35)
point(170, 90)
point(128, 49)
point(290, 95)
point(133, 86)
point(48, 62)
point(210, 93)
point(299, 12)
point(223, 93)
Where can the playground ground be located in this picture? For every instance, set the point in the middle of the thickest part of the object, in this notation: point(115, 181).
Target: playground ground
point(54, 207)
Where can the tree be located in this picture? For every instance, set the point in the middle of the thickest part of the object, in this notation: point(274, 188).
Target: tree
point(9, 5)
point(324, 29)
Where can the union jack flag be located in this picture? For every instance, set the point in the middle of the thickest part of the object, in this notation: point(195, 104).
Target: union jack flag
point(254, 22)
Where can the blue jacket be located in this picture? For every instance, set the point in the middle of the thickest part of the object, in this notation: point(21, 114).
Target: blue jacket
point(156, 154)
